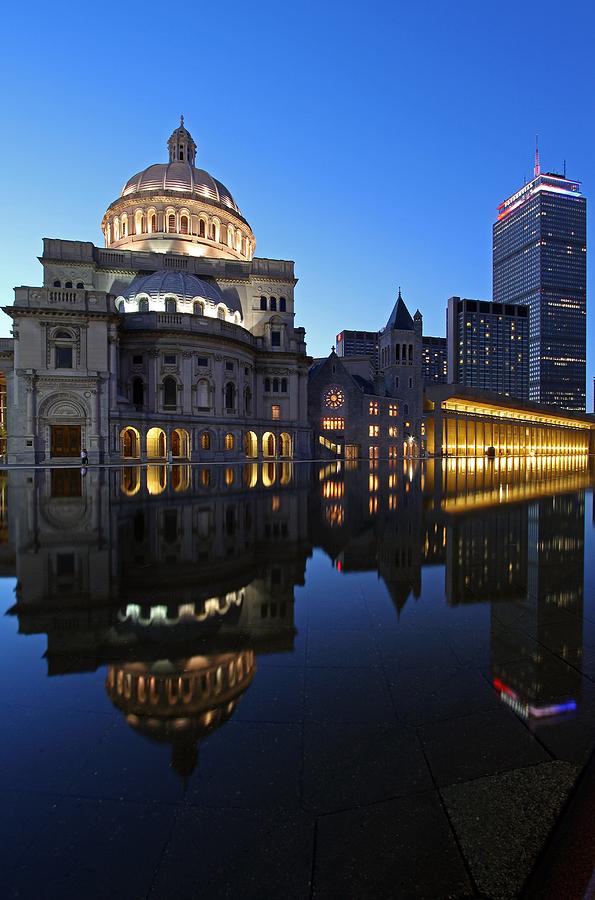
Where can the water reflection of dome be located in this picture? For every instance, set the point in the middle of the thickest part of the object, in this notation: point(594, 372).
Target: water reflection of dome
point(180, 702)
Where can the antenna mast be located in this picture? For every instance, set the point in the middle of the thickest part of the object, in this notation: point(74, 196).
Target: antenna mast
point(536, 167)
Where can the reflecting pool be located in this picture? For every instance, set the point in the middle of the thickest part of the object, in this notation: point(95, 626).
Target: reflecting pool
point(291, 679)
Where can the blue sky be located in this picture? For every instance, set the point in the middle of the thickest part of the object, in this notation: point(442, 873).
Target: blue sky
point(371, 143)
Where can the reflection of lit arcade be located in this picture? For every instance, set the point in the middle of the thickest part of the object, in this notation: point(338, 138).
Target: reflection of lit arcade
point(180, 702)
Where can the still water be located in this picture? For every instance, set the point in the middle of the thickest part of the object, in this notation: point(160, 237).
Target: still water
point(292, 680)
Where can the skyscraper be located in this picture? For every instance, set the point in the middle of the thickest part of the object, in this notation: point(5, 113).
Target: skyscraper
point(540, 260)
point(434, 363)
point(488, 346)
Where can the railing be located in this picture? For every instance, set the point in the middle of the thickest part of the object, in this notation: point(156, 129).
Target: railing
point(169, 319)
point(58, 296)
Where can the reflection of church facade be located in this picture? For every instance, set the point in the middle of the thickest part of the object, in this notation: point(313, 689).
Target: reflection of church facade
point(173, 341)
point(176, 583)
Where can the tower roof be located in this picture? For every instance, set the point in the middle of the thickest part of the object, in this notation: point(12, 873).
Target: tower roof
point(400, 318)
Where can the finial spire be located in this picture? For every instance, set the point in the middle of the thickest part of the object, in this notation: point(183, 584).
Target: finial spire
point(181, 121)
point(536, 167)
point(399, 295)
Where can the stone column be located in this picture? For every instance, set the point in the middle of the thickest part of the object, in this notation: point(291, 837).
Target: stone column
point(187, 356)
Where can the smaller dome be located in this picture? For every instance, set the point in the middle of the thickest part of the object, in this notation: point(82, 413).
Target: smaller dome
point(163, 282)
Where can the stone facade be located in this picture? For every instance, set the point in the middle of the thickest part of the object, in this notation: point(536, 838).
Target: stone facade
point(162, 345)
point(371, 406)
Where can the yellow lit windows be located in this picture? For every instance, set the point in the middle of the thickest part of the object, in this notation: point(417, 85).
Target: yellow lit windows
point(333, 423)
point(374, 430)
point(392, 409)
point(205, 441)
point(392, 431)
point(373, 407)
point(275, 411)
point(373, 452)
point(229, 442)
point(392, 452)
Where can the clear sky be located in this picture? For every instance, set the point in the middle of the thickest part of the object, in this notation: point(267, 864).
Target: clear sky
point(370, 142)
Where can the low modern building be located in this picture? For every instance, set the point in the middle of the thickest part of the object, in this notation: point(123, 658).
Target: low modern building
point(462, 421)
point(174, 340)
point(488, 346)
point(434, 360)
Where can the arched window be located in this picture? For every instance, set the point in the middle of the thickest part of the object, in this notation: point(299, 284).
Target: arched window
point(263, 300)
point(229, 442)
point(184, 225)
point(248, 401)
point(275, 385)
point(124, 227)
point(138, 391)
point(143, 305)
point(205, 441)
point(212, 231)
point(198, 308)
point(170, 393)
point(153, 223)
point(170, 306)
point(171, 222)
point(284, 385)
point(267, 385)
point(229, 236)
point(68, 284)
point(282, 304)
point(80, 286)
point(201, 228)
point(273, 304)
point(230, 395)
point(221, 313)
point(57, 284)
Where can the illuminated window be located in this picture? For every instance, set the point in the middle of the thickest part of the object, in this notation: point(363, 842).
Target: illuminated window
point(184, 225)
point(229, 442)
point(275, 411)
point(392, 452)
point(205, 441)
point(392, 431)
point(392, 409)
point(171, 223)
point(373, 451)
point(373, 407)
point(336, 423)
point(373, 430)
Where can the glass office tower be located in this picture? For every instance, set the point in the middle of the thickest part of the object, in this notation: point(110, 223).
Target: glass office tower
point(540, 260)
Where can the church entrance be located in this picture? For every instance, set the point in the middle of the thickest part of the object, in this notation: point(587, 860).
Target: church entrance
point(66, 440)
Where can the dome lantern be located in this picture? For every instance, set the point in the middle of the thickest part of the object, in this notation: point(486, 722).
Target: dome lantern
point(181, 145)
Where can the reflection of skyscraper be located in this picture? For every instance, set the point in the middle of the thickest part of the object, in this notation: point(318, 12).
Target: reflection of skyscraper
point(486, 556)
point(547, 625)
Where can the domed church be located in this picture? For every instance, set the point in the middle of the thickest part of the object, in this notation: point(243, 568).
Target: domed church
point(172, 341)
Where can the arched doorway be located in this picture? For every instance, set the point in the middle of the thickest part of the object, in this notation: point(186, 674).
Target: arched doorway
point(285, 445)
point(156, 443)
point(250, 445)
point(180, 443)
point(268, 444)
point(130, 443)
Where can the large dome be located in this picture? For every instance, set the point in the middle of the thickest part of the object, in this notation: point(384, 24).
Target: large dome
point(160, 284)
point(173, 207)
point(180, 176)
